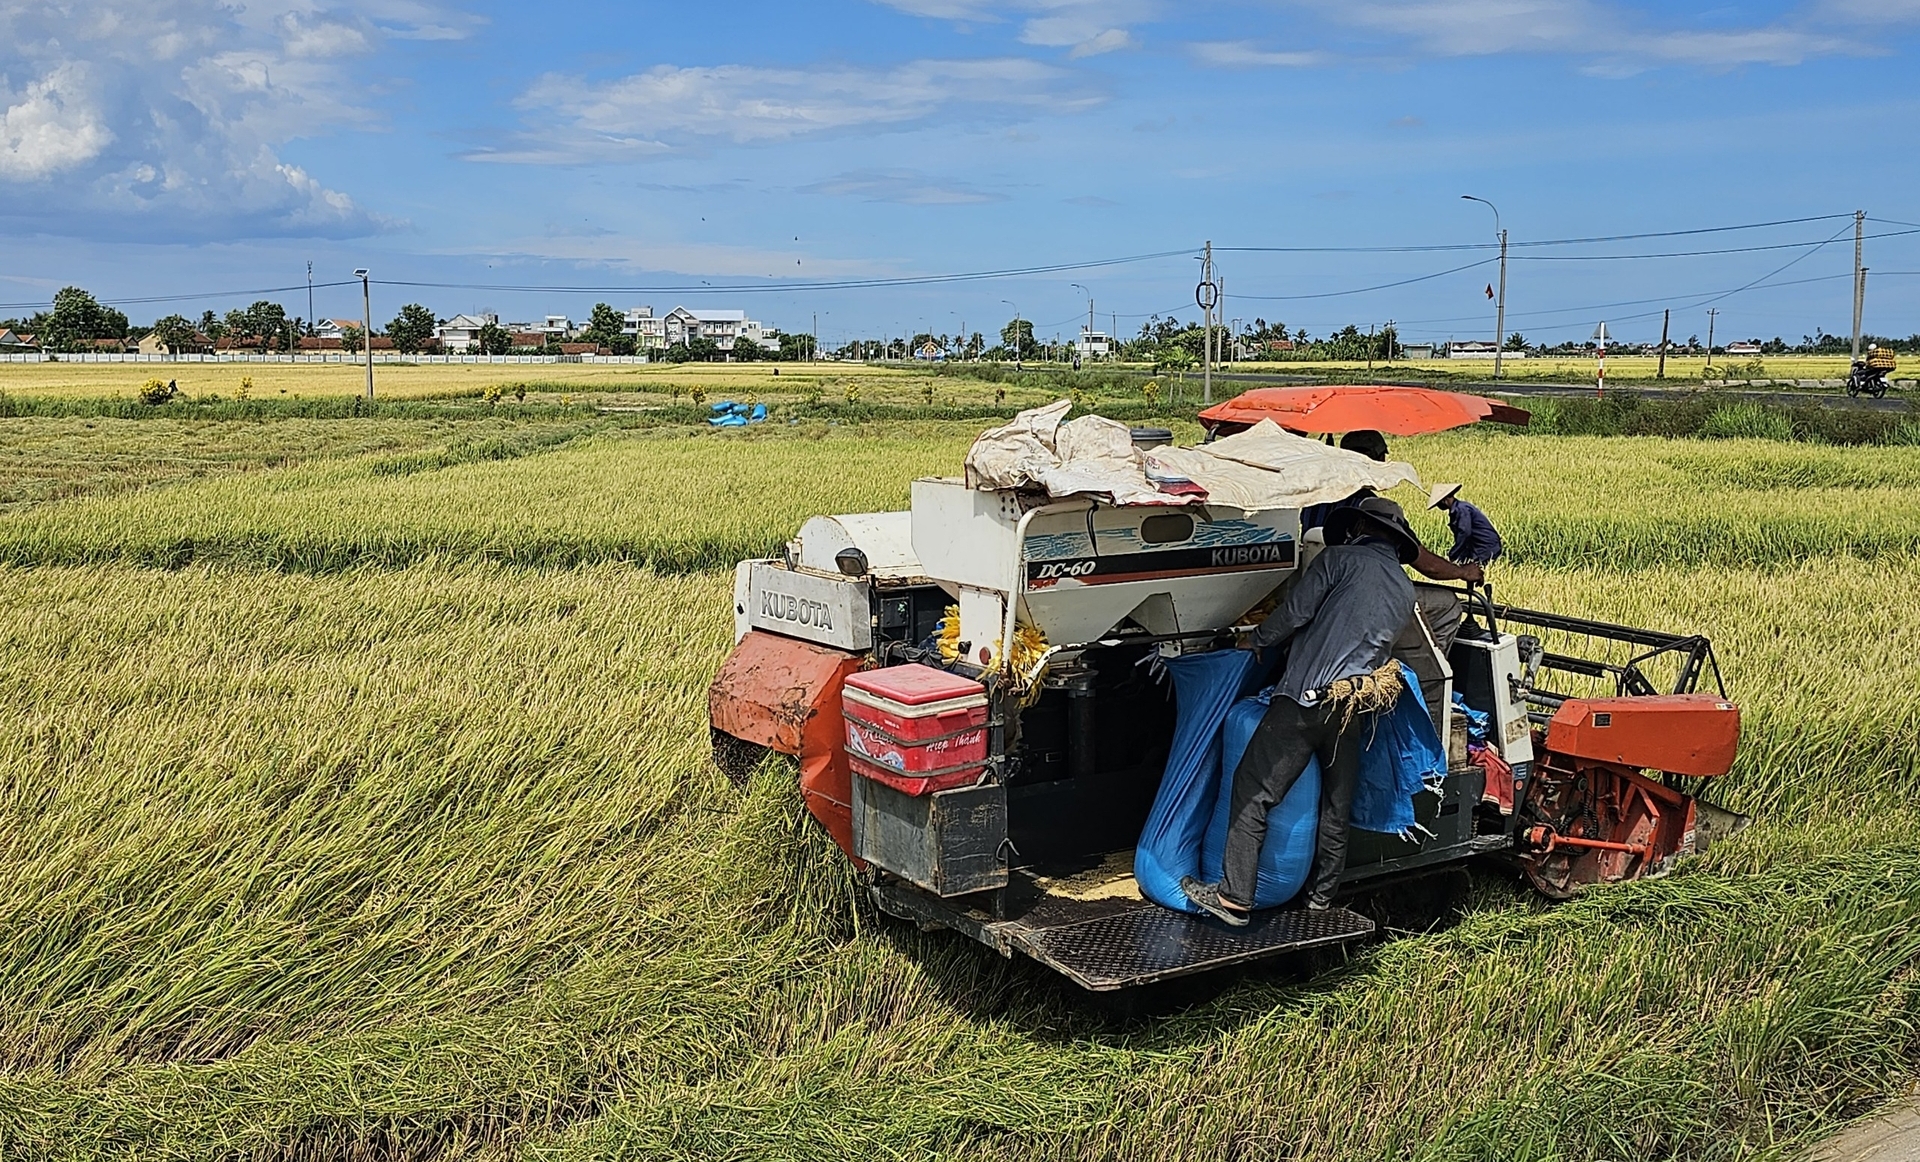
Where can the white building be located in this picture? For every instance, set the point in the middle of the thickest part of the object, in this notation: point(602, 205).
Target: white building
point(648, 330)
point(334, 328)
point(463, 331)
point(1751, 347)
point(684, 324)
point(1480, 349)
point(1093, 344)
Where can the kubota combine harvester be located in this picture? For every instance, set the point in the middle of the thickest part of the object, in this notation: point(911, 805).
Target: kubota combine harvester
point(975, 692)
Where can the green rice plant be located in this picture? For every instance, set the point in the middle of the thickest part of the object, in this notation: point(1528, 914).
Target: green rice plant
point(1746, 421)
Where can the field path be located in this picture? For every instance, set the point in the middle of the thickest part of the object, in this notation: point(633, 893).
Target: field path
point(1892, 1135)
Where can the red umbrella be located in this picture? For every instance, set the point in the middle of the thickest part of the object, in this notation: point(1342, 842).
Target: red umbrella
point(1396, 411)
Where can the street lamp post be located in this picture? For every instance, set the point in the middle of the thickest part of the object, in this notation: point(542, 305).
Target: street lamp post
point(1500, 307)
point(1016, 333)
point(366, 325)
point(1089, 294)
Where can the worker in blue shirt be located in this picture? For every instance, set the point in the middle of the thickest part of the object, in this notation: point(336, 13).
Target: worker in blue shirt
point(1475, 540)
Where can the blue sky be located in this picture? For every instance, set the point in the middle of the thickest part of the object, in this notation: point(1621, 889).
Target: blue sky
point(185, 147)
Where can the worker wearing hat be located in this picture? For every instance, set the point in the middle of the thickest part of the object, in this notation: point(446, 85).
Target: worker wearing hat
point(1475, 540)
point(1341, 616)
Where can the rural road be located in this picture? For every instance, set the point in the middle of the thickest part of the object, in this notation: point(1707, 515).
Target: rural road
point(1891, 403)
point(1892, 1135)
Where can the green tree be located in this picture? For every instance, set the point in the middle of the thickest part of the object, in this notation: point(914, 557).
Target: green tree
point(176, 332)
point(268, 322)
point(411, 328)
point(210, 325)
point(493, 339)
point(1019, 343)
point(747, 351)
point(76, 320)
point(604, 328)
point(1516, 342)
point(796, 348)
point(352, 338)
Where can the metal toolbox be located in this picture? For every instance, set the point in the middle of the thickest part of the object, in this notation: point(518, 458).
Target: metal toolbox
point(950, 842)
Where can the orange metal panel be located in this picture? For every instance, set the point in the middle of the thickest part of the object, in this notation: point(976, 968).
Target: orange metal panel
point(1682, 734)
point(785, 695)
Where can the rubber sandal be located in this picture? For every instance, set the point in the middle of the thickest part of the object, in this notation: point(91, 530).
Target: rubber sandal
point(1206, 897)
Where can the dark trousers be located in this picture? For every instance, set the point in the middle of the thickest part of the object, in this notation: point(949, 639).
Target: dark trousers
point(1287, 737)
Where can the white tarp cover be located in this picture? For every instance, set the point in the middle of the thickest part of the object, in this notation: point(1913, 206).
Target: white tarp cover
point(1264, 467)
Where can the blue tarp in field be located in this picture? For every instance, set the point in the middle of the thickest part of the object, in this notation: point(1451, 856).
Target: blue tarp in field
point(1185, 833)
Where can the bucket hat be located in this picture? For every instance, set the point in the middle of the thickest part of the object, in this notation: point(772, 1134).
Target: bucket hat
point(1383, 512)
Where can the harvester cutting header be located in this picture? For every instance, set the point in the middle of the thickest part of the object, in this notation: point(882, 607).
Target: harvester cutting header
point(1019, 709)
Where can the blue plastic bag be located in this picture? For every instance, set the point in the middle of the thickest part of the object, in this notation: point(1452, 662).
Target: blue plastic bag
point(1402, 756)
point(1286, 854)
point(1185, 832)
point(1205, 687)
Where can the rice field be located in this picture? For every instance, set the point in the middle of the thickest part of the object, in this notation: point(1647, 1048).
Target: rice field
point(356, 804)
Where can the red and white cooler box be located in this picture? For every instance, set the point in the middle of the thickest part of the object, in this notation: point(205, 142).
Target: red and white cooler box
point(915, 728)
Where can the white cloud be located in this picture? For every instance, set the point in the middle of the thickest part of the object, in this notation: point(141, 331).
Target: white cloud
point(1085, 27)
point(1614, 40)
point(163, 118)
point(667, 107)
point(902, 186)
point(1233, 54)
point(50, 127)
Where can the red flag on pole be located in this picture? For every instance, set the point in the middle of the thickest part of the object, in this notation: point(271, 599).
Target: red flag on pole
point(1489, 290)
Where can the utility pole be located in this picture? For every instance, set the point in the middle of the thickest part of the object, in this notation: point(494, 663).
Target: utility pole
point(366, 325)
point(309, 294)
point(813, 343)
point(1666, 317)
point(1207, 296)
point(1500, 304)
point(1711, 313)
point(1600, 375)
point(1017, 344)
point(1859, 277)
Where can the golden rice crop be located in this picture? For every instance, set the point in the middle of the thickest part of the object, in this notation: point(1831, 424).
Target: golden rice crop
point(406, 845)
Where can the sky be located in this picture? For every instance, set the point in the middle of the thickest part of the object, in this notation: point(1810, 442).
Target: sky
point(775, 157)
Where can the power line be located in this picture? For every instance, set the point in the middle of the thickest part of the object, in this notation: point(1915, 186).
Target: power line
point(271, 290)
point(1692, 253)
point(1365, 289)
point(1536, 243)
point(794, 287)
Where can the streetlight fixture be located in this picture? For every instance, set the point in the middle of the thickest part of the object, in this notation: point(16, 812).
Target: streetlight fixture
point(366, 325)
point(1016, 333)
point(1500, 306)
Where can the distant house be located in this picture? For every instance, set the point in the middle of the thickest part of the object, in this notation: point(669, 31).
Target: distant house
point(526, 337)
point(316, 343)
point(335, 328)
point(1479, 349)
point(1279, 344)
point(463, 331)
point(648, 331)
point(107, 346)
point(1416, 351)
point(151, 344)
point(12, 342)
point(581, 349)
point(1093, 344)
point(1750, 347)
point(685, 324)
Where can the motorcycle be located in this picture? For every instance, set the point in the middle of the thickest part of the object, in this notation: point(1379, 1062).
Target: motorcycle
point(1869, 375)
